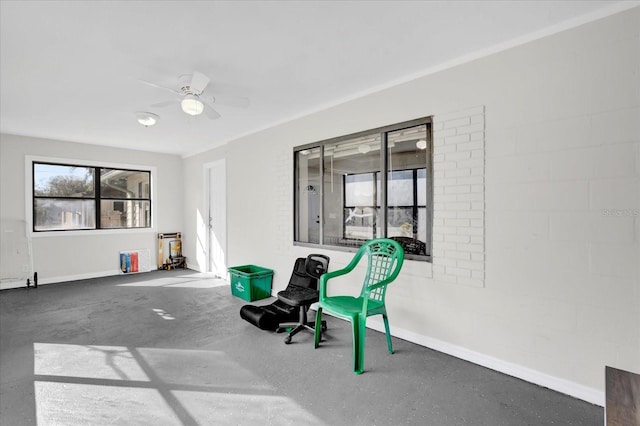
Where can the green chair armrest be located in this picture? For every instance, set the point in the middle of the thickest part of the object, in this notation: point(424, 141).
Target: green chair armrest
point(324, 278)
point(338, 272)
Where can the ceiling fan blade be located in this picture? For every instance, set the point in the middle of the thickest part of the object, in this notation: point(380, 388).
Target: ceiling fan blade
point(210, 112)
point(230, 100)
point(159, 87)
point(199, 81)
point(165, 104)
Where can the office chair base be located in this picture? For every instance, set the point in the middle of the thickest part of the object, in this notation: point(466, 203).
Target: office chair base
point(309, 326)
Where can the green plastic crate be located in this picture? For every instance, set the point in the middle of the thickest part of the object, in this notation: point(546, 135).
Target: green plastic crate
point(251, 282)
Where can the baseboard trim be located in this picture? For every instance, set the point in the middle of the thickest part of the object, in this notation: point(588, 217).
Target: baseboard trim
point(576, 390)
point(557, 384)
point(7, 285)
point(63, 278)
point(77, 277)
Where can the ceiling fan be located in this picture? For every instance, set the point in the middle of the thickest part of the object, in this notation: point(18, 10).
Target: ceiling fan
point(191, 97)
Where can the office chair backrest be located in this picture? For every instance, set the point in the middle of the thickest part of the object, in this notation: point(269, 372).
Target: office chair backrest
point(306, 271)
point(299, 275)
point(317, 264)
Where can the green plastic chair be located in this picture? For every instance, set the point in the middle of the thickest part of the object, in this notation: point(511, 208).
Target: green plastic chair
point(385, 258)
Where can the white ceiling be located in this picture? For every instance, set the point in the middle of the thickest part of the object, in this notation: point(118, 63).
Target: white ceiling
point(69, 69)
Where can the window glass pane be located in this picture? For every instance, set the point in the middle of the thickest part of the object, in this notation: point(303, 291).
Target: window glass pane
point(351, 192)
point(125, 214)
point(52, 214)
point(308, 195)
point(407, 188)
point(357, 204)
point(360, 223)
point(422, 222)
point(53, 180)
point(360, 189)
point(422, 187)
point(124, 184)
point(400, 188)
point(65, 197)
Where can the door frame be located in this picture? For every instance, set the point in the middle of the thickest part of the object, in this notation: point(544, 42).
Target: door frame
point(216, 169)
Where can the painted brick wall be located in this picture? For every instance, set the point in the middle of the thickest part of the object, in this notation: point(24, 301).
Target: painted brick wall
point(283, 169)
point(458, 186)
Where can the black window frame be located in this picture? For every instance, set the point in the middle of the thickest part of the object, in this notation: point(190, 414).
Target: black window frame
point(383, 132)
point(97, 197)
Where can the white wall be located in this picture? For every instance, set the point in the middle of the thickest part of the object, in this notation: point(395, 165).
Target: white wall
point(81, 255)
point(559, 297)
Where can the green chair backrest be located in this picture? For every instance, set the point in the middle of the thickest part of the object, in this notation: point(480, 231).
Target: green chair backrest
point(385, 258)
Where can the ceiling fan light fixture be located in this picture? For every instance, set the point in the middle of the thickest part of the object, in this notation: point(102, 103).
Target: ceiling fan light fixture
point(146, 119)
point(192, 105)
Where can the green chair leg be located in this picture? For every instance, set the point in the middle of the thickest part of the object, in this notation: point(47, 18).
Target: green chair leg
point(386, 328)
point(359, 332)
point(318, 328)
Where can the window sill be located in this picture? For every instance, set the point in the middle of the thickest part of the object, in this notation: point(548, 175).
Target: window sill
point(347, 249)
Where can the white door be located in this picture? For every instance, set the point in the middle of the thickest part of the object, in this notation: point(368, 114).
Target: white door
point(217, 245)
point(313, 220)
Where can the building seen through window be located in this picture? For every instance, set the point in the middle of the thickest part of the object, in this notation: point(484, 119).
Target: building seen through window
point(74, 197)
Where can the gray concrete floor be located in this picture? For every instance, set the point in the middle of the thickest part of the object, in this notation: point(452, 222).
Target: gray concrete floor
point(169, 348)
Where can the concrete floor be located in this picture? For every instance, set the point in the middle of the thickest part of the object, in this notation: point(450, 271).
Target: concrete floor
point(169, 348)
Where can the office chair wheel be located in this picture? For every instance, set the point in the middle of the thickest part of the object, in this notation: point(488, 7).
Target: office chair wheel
point(287, 340)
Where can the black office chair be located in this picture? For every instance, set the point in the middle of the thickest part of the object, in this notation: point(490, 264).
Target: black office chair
point(270, 317)
point(304, 293)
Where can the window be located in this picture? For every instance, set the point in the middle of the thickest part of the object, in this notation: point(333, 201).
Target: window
point(75, 197)
point(373, 184)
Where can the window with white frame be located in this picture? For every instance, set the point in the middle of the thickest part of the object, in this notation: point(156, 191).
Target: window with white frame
point(373, 184)
point(68, 197)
